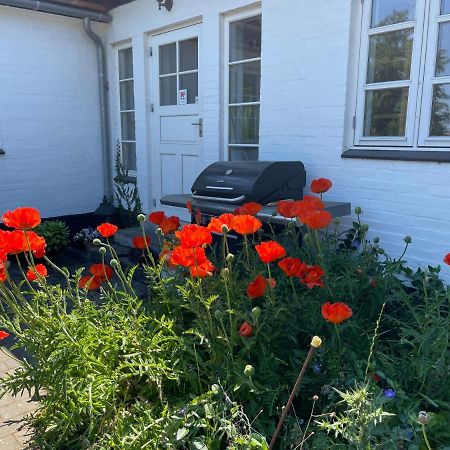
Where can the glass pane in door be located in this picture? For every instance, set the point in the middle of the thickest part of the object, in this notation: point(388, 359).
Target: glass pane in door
point(189, 81)
point(245, 39)
point(440, 112)
point(168, 90)
point(387, 12)
point(445, 7)
point(188, 55)
point(168, 59)
point(244, 124)
point(386, 111)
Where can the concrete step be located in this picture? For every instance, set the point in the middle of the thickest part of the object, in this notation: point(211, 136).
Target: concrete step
point(125, 237)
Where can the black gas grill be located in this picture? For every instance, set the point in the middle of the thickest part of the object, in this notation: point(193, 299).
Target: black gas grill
point(239, 182)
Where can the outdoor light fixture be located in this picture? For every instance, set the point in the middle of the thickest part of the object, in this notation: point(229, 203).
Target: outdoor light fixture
point(166, 3)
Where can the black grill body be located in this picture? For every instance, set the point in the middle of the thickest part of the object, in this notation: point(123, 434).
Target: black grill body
point(239, 182)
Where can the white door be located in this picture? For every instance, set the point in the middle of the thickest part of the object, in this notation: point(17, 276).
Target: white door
point(177, 124)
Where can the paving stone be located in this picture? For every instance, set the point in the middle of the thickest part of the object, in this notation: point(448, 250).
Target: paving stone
point(10, 443)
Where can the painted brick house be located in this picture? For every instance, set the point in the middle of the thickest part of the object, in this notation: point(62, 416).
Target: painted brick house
point(358, 90)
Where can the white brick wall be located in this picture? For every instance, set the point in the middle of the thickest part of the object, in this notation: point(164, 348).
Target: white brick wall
point(307, 72)
point(49, 114)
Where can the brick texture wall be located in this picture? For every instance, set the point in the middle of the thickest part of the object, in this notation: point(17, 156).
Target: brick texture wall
point(49, 114)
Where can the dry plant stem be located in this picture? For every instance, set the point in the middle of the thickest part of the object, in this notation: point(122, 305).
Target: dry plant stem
point(291, 397)
point(425, 437)
point(372, 346)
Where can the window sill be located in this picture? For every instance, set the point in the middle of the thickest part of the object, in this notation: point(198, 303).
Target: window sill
point(398, 155)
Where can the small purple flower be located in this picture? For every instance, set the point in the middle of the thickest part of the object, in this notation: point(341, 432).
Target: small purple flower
point(389, 393)
point(317, 368)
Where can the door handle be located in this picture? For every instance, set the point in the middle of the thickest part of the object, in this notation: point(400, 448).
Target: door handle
point(200, 127)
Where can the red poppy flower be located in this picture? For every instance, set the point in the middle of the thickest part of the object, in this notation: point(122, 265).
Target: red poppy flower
point(3, 255)
point(375, 377)
point(270, 251)
point(336, 312)
point(271, 282)
point(246, 224)
point(13, 242)
point(312, 276)
point(321, 185)
point(2, 272)
point(292, 267)
point(447, 259)
point(22, 218)
point(107, 229)
point(32, 274)
point(246, 330)
point(312, 202)
point(251, 209)
point(288, 208)
point(89, 282)
point(165, 257)
point(141, 243)
point(188, 257)
point(157, 217)
point(194, 236)
point(170, 225)
point(198, 217)
point(202, 270)
point(316, 219)
point(3, 334)
point(37, 244)
point(101, 271)
point(189, 206)
point(216, 224)
point(257, 287)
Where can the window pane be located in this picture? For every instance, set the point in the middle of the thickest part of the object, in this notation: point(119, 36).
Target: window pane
point(443, 51)
point(126, 95)
point(243, 153)
point(188, 54)
point(245, 39)
point(385, 112)
point(129, 155)
point(387, 12)
point(245, 82)
point(128, 126)
point(445, 7)
point(125, 63)
point(390, 56)
point(440, 112)
point(168, 91)
point(244, 124)
point(190, 82)
point(167, 59)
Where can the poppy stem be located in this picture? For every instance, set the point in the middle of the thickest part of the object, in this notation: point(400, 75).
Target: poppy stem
point(316, 342)
point(338, 338)
point(425, 437)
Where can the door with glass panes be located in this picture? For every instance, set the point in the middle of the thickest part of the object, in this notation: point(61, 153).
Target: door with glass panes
point(177, 125)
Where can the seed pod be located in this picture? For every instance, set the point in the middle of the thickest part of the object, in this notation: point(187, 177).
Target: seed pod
point(225, 273)
point(230, 257)
point(97, 241)
point(225, 229)
point(249, 370)
point(256, 312)
point(141, 218)
point(218, 314)
point(407, 239)
point(358, 210)
point(423, 418)
point(102, 250)
point(114, 263)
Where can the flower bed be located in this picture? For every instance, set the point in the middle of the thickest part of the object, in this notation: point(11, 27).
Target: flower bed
point(208, 359)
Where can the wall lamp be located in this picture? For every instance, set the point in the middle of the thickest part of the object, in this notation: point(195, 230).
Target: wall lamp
point(168, 4)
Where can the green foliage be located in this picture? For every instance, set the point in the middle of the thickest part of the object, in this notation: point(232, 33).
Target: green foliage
point(169, 369)
point(56, 234)
point(126, 193)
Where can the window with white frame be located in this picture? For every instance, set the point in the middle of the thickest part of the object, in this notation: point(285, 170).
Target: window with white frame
point(404, 75)
point(127, 112)
point(244, 79)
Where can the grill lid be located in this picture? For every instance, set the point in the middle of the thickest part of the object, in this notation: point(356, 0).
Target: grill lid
point(250, 181)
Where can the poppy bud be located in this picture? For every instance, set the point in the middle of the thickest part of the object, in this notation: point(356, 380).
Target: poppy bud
point(408, 239)
point(315, 398)
point(291, 225)
point(225, 229)
point(102, 250)
point(249, 371)
point(365, 227)
point(141, 218)
point(218, 314)
point(316, 342)
point(376, 240)
point(114, 263)
point(423, 418)
point(224, 273)
point(215, 388)
point(97, 241)
point(256, 312)
point(159, 232)
point(337, 221)
point(358, 210)
point(230, 257)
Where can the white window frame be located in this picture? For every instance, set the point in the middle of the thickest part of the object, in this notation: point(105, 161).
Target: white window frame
point(229, 19)
point(125, 46)
point(419, 85)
